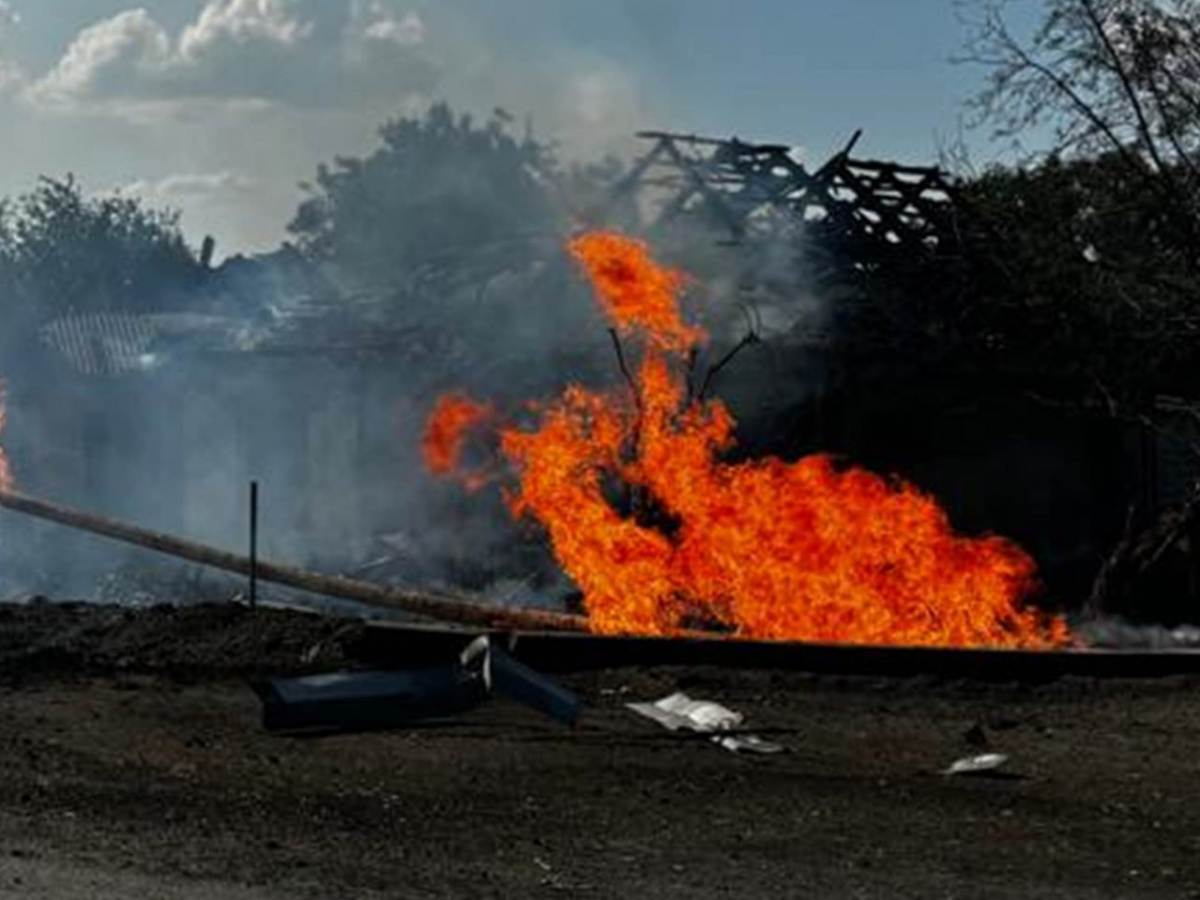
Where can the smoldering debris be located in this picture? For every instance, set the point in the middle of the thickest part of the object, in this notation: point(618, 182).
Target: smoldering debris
point(1113, 632)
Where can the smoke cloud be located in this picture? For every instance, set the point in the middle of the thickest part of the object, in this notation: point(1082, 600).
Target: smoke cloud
point(267, 89)
point(220, 113)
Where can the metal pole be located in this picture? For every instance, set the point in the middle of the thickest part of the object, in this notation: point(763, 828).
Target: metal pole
point(253, 544)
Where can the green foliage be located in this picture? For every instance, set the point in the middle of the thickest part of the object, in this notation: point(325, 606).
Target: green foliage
point(1113, 79)
point(61, 251)
point(440, 190)
point(1065, 268)
point(1088, 264)
point(1068, 273)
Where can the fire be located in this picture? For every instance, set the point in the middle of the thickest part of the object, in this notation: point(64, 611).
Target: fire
point(661, 535)
point(6, 477)
point(452, 418)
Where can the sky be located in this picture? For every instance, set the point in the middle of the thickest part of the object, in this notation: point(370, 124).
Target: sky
point(220, 108)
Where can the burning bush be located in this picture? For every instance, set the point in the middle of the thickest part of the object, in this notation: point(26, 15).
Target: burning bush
point(661, 534)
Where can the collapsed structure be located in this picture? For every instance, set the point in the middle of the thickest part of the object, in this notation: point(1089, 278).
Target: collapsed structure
point(855, 209)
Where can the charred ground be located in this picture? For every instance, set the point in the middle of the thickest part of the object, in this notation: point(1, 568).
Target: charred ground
point(136, 766)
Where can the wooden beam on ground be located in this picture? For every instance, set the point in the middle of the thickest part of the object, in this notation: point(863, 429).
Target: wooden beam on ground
point(437, 606)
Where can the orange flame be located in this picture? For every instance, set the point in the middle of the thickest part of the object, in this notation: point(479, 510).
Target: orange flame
point(446, 431)
point(6, 476)
point(635, 292)
point(660, 534)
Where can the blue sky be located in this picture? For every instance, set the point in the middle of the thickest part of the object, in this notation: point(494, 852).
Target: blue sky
point(219, 107)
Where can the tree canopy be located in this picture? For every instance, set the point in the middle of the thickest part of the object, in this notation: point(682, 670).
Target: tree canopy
point(442, 190)
point(1081, 262)
point(1114, 79)
point(61, 251)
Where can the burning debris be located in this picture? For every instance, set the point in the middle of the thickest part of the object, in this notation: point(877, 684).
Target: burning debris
point(442, 446)
point(661, 534)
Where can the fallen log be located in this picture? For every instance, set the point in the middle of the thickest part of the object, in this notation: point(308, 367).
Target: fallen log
point(437, 606)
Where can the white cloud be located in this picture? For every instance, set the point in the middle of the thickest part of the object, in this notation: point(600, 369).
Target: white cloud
point(377, 57)
point(13, 79)
point(108, 54)
point(184, 187)
point(377, 21)
point(407, 32)
point(348, 53)
point(241, 22)
point(8, 17)
point(132, 55)
point(243, 100)
point(241, 211)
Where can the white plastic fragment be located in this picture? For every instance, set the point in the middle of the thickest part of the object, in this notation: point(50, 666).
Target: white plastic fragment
point(969, 765)
point(478, 652)
point(679, 711)
point(747, 743)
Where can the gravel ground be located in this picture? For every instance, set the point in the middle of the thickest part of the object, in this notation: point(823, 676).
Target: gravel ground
point(135, 765)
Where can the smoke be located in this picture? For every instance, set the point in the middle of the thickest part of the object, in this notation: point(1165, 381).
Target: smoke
point(323, 404)
point(1116, 633)
point(164, 419)
point(314, 391)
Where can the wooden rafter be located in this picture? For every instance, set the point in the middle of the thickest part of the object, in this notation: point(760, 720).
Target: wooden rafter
point(862, 207)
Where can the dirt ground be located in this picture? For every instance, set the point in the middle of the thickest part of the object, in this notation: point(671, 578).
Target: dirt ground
point(135, 765)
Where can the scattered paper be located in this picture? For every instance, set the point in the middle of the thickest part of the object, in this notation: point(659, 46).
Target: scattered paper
point(679, 711)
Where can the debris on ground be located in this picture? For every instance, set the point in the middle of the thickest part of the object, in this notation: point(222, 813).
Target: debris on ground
point(361, 701)
point(678, 712)
point(153, 778)
point(528, 686)
point(976, 765)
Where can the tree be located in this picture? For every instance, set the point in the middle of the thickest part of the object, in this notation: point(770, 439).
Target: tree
point(1098, 240)
point(1113, 78)
point(105, 252)
point(442, 192)
point(450, 236)
point(62, 252)
point(1077, 283)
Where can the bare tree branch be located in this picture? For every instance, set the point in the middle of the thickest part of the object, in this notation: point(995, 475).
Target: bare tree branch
point(1118, 68)
point(633, 391)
